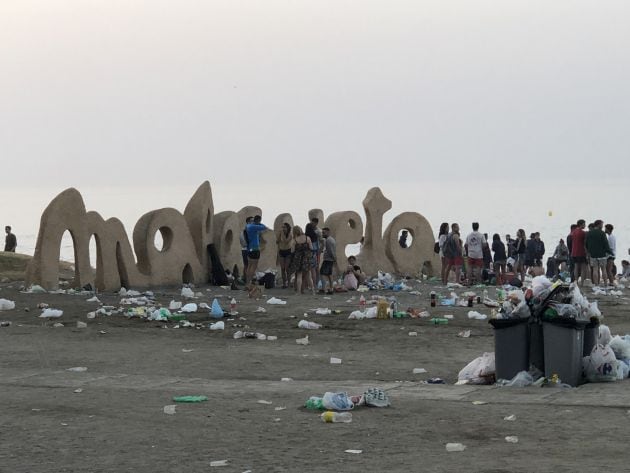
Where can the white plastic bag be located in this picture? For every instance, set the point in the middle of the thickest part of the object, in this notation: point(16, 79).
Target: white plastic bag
point(476, 315)
point(520, 380)
point(6, 304)
point(604, 336)
point(51, 314)
point(188, 293)
point(601, 366)
point(189, 308)
point(540, 284)
point(276, 301)
point(620, 346)
point(479, 371)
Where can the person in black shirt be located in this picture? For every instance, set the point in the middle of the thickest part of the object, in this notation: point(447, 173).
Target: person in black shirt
point(500, 258)
point(570, 246)
point(10, 242)
point(402, 241)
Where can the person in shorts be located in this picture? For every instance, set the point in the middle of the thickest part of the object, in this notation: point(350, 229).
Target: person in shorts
point(578, 251)
point(597, 246)
point(253, 229)
point(330, 251)
point(243, 241)
point(474, 248)
point(285, 242)
point(452, 251)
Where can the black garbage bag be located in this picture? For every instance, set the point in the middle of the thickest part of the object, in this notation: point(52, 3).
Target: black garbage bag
point(217, 275)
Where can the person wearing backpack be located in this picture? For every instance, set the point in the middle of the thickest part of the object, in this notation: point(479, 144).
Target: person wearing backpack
point(453, 253)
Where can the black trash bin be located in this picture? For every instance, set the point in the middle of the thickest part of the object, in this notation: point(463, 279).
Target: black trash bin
point(511, 346)
point(591, 334)
point(536, 344)
point(564, 345)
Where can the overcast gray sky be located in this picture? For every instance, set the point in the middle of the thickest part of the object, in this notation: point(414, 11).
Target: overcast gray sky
point(114, 91)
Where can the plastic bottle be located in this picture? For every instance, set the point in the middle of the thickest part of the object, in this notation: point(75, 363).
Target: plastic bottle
point(315, 403)
point(330, 416)
point(232, 306)
point(381, 309)
point(485, 294)
point(361, 302)
point(439, 321)
point(433, 302)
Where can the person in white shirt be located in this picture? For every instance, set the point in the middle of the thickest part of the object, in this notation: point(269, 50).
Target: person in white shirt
point(610, 264)
point(474, 250)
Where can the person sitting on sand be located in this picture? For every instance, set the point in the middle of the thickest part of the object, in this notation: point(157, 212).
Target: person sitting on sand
point(353, 276)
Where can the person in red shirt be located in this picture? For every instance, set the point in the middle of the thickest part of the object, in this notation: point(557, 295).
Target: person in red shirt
point(578, 251)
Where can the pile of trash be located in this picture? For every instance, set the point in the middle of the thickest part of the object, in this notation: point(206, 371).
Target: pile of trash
point(609, 359)
point(548, 301)
point(341, 401)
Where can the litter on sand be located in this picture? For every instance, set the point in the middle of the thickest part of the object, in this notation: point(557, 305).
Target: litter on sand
point(455, 447)
point(190, 399)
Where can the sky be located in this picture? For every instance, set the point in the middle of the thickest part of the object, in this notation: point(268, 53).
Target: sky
point(301, 104)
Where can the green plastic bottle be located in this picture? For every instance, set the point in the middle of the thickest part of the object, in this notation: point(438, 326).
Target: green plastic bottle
point(315, 403)
point(439, 321)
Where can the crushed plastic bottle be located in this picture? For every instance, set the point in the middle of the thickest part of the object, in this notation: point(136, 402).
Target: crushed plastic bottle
point(334, 417)
point(455, 447)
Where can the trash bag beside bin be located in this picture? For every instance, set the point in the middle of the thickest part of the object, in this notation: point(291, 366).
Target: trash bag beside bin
point(511, 346)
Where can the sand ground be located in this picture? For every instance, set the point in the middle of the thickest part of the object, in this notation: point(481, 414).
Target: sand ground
point(135, 367)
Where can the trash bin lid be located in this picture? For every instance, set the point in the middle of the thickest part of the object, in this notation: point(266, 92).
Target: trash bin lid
point(507, 323)
point(566, 322)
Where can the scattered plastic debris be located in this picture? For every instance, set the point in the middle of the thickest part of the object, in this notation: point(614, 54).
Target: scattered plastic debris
point(276, 301)
point(219, 463)
point(464, 334)
point(77, 369)
point(191, 399)
point(510, 418)
point(302, 341)
point(216, 311)
point(6, 304)
point(81, 324)
point(419, 371)
point(187, 293)
point(476, 315)
point(170, 409)
point(455, 447)
point(511, 439)
point(51, 314)
point(189, 308)
point(309, 325)
point(218, 326)
point(335, 361)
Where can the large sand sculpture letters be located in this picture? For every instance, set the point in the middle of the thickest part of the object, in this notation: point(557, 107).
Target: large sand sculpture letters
point(183, 257)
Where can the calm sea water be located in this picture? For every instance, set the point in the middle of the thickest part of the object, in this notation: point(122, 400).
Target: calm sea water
point(499, 208)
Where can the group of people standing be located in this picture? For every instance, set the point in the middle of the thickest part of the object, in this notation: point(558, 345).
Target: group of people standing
point(592, 252)
point(586, 254)
point(309, 254)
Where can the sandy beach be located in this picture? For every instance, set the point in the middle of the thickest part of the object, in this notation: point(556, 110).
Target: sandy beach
point(135, 367)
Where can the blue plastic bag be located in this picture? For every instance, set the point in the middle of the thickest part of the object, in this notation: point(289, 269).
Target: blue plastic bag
point(216, 311)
